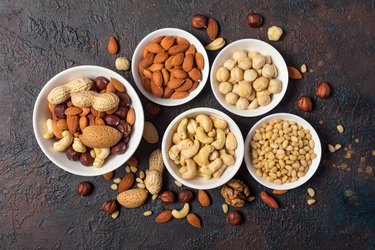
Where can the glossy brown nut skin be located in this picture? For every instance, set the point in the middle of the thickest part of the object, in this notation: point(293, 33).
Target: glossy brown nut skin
point(185, 196)
point(109, 207)
point(100, 83)
point(167, 197)
point(112, 120)
point(83, 188)
point(122, 112)
point(305, 104)
point(254, 20)
point(124, 128)
point(199, 21)
point(60, 111)
point(86, 159)
point(323, 90)
point(124, 98)
point(69, 103)
point(153, 109)
point(71, 154)
point(119, 148)
point(234, 218)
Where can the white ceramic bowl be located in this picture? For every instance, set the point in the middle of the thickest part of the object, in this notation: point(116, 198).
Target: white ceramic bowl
point(41, 114)
point(250, 45)
point(200, 182)
point(138, 55)
point(317, 150)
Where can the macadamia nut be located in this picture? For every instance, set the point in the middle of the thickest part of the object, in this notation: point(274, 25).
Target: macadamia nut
point(236, 74)
point(230, 64)
point(225, 87)
point(258, 61)
point(274, 86)
point(260, 84)
point(242, 103)
point(274, 33)
point(253, 104)
point(122, 63)
point(269, 71)
point(244, 89)
point(250, 75)
point(264, 100)
point(231, 98)
point(238, 54)
point(222, 74)
point(244, 63)
point(252, 54)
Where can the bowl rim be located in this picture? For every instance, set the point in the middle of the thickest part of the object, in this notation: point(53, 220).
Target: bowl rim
point(240, 147)
point(312, 168)
point(39, 100)
point(255, 112)
point(168, 101)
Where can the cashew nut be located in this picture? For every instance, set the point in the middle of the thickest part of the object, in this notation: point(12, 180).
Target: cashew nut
point(220, 171)
point(206, 176)
point(226, 158)
point(215, 165)
point(181, 129)
point(183, 170)
point(192, 126)
point(101, 154)
point(179, 214)
point(175, 138)
point(63, 143)
point(191, 169)
point(212, 133)
point(205, 122)
point(213, 155)
point(189, 149)
point(174, 152)
point(49, 134)
point(202, 157)
point(231, 141)
point(202, 136)
point(218, 123)
point(220, 139)
point(78, 146)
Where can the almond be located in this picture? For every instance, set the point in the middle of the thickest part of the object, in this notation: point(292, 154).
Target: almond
point(203, 198)
point(181, 40)
point(108, 175)
point(51, 107)
point(167, 42)
point(191, 50)
point(158, 39)
point(83, 122)
point(279, 192)
point(56, 131)
point(199, 60)
point(111, 111)
point(61, 124)
point(194, 220)
point(195, 74)
point(73, 111)
point(146, 52)
point(156, 90)
point(146, 62)
point(165, 74)
point(156, 66)
point(195, 85)
point(175, 83)
point(126, 182)
point(110, 88)
point(146, 84)
point(118, 85)
point(180, 48)
point(188, 63)
point(178, 59)
point(147, 73)
point(154, 48)
point(99, 121)
point(185, 86)
point(157, 78)
point(91, 119)
point(167, 92)
point(179, 95)
point(112, 46)
point(150, 133)
point(132, 198)
point(212, 28)
point(178, 73)
point(133, 161)
point(164, 216)
point(168, 63)
point(161, 57)
point(130, 116)
point(85, 111)
point(294, 73)
point(72, 122)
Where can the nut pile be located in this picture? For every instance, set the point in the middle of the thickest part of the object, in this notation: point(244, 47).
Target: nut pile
point(282, 151)
point(203, 146)
point(90, 119)
point(171, 67)
point(248, 80)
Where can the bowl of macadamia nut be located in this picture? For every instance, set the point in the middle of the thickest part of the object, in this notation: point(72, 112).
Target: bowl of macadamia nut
point(202, 148)
point(249, 77)
point(170, 66)
point(88, 120)
point(282, 151)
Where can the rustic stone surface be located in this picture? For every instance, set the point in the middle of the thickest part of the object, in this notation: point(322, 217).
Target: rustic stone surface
point(38, 205)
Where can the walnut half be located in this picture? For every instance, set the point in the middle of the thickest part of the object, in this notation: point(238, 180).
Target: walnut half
point(235, 193)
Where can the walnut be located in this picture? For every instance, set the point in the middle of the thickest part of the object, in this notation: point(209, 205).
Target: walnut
point(235, 193)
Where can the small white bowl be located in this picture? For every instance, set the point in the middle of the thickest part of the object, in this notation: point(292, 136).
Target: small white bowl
point(41, 114)
point(250, 45)
point(138, 55)
point(312, 168)
point(200, 182)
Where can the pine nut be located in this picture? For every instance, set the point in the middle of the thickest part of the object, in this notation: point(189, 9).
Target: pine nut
point(114, 186)
point(225, 208)
point(178, 184)
point(115, 214)
point(311, 192)
point(311, 201)
point(117, 180)
point(147, 213)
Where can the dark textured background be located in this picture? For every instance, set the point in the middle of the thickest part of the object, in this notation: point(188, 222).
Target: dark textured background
point(38, 205)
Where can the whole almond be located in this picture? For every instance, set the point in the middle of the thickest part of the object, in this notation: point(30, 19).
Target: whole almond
point(72, 122)
point(158, 39)
point(194, 220)
point(188, 63)
point(185, 86)
point(146, 52)
point(199, 60)
point(175, 83)
point(167, 42)
point(203, 198)
point(157, 78)
point(191, 50)
point(146, 62)
point(91, 119)
point(108, 175)
point(147, 73)
point(51, 107)
point(156, 66)
point(83, 122)
point(56, 131)
point(181, 40)
point(167, 92)
point(112, 46)
point(212, 28)
point(117, 84)
point(178, 59)
point(62, 124)
point(146, 84)
point(156, 90)
point(150, 133)
point(165, 74)
point(195, 85)
point(110, 88)
point(154, 48)
point(130, 116)
point(180, 48)
point(179, 95)
point(178, 73)
point(164, 216)
point(294, 73)
point(132, 198)
point(161, 57)
point(168, 63)
point(73, 111)
point(126, 182)
point(85, 111)
point(195, 74)
point(99, 121)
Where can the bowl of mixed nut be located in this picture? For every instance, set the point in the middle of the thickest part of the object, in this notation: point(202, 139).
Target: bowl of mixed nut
point(202, 148)
point(170, 66)
point(249, 77)
point(88, 120)
point(282, 151)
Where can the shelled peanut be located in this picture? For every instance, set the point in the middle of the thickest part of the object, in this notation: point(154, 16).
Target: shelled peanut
point(90, 119)
point(171, 67)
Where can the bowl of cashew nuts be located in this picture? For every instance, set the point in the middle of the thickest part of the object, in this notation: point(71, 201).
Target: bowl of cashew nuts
point(202, 148)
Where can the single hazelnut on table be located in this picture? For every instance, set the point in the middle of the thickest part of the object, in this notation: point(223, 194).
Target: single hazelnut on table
point(167, 197)
point(234, 218)
point(83, 188)
point(305, 104)
point(153, 109)
point(323, 90)
point(109, 207)
point(185, 196)
point(199, 21)
point(254, 20)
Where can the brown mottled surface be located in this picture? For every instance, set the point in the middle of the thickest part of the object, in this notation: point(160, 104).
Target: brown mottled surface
point(38, 204)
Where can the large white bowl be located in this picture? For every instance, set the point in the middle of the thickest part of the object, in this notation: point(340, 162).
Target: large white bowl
point(199, 182)
point(41, 114)
point(138, 55)
point(250, 45)
point(313, 167)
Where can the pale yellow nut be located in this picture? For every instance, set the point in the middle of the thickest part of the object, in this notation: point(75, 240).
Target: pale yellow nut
point(340, 128)
point(178, 184)
point(117, 180)
point(311, 192)
point(311, 202)
point(179, 214)
point(142, 174)
point(303, 68)
point(154, 197)
point(331, 148)
point(147, 213)
point(115, 214)
point(274, 33)
point(133, 169)
point(225, 208)
point(127, 169)
point(216, 44)
point(114, 186)
point(49, 133)
point(122, 63)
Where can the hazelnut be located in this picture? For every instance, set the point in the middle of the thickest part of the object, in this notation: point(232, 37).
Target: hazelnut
point(167, 197)
point(100, 83)
point(71, 154)
point(86, 159)
point(153, 109)
point(83, 188)
point(119, 148)
point(122, 63)
point(304, 103)
point(60, 110)
point(234, 218)
point(199, 21)
point(112, 120)
point(254, 20)
point(122, 112)
point(109, 207)
point(185, 196)
point(124, 128)
point(323, 90)
point(124, 98)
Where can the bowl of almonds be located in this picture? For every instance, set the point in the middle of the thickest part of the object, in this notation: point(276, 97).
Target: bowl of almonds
point(282, 151)
point(249, 77)
point(88, 120)
point(170, 66)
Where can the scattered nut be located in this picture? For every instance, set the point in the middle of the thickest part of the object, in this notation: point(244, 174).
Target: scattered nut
point(141, 185)
point(294, 73)
point(153, 109)
point(115, 214)
point(234, 218)
point(142, 174)
point(108, 175)
point(203, 198)
point(338, 146)
point(178, 184)
point(303, 68)
point(139, 180)
point(114, 186)
point(117, 180)
point(225, 208)
point(279, 192)
point(132, 162)
point(133, 169)
point(274, 33)
point(268, 200)
point(199, 21)
point(251, 198)
point(311, 202)
point(311, 192)
point(122, 63)
point(331, 148)
point(305, 104)
point(254, 20)
point(179, 214)
point(112, 46)
point(323, 90)
point(194, 220)
point(185, 196)
point(127, 169)
point(154, 197)
point(167, 197)
point(83, 188)
point(216, 44)
point(340, 128)
point(147, 213)
point(109, 207)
